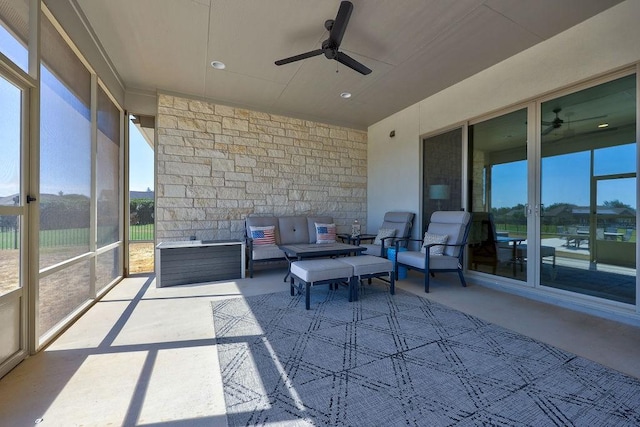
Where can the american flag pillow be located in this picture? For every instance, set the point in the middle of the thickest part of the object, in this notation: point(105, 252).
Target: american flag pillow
point(263, 235)
point(325, 233)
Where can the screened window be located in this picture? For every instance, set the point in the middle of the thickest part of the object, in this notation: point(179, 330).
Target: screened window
point(14, 31)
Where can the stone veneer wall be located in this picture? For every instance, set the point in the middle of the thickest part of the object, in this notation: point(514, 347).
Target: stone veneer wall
point(218, 164)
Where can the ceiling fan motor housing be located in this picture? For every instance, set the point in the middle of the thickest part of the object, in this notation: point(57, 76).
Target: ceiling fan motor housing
point(330, 51)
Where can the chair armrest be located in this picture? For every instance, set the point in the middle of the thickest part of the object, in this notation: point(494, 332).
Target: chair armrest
point(365, 237)
point(384, 240)
point(344, 237)
point(404, 240)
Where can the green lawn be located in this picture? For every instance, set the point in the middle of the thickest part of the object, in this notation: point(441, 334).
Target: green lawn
point(141, 232)
point(72, 236)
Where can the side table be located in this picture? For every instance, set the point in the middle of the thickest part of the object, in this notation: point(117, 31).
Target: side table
point(391, 255)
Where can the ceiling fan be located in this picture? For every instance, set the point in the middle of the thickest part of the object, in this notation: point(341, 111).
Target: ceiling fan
point(330, 46)
point(558, 122)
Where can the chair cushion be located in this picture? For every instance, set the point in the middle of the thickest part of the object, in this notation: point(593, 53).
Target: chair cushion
point(293, 229)
point(444, 262)
point(325, 233)
point(382, 233)
point(416, 259)
point(453, 224)
point(266, 252)
point(430, 239)
point(315, 270)
point(372, 249)
point(411, 258)
point(311, 225)
point(400, 221)
point(367, 264)
point(263, 235)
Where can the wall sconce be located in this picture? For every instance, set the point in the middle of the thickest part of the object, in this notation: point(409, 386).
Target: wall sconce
point(439, 192)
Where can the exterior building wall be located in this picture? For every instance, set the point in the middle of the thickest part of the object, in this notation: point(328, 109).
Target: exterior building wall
point(217, 164)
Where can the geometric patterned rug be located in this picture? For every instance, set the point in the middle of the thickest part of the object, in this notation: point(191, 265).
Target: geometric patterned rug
point(401, 360)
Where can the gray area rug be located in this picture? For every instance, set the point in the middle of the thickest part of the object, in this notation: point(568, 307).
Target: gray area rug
point(401, 360)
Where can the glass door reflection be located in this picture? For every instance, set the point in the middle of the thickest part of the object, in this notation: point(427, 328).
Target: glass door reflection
point(498, 195)
point(588, 187)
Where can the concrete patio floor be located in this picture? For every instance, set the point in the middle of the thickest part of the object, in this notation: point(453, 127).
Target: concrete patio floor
point(147, 356)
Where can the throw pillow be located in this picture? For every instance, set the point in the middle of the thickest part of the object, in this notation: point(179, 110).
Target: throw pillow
point(325, 233)
point(382, 233)
point(430, 239)
point(263, 235)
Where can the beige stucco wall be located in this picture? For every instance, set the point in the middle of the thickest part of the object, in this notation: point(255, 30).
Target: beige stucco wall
point(218, 164)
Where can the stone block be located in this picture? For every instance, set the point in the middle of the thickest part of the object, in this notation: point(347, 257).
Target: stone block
point(175, 168)
point(170, 190)
point(235, 124)
point(223, 165)
point(245, 161)
point(185, 123)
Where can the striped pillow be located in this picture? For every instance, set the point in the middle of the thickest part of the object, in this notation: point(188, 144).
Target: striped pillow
point(326, 233)
point(263, 235)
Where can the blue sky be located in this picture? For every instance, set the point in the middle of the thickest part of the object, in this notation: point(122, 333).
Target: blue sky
point(566, 178)
point(141, 160)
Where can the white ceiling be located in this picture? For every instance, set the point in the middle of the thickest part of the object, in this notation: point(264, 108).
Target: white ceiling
point(414, 47)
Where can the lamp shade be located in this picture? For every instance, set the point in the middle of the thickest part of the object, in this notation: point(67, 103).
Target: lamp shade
point(439, 192)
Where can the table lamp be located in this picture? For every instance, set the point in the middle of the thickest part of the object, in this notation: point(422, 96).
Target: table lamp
point(439, 192)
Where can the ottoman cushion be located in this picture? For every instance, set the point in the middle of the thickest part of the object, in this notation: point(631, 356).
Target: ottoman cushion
point(368, 264)
point(317, 270)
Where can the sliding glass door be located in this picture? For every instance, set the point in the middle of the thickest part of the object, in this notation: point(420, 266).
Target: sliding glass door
point(552, 187)
point(588, 167)
point(498, 195)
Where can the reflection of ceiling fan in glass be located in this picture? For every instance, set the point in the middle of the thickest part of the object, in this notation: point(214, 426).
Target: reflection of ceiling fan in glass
point(557, 123)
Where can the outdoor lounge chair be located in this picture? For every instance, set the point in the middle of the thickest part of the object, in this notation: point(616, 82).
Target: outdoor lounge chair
point(451, 229)
point(396, 225)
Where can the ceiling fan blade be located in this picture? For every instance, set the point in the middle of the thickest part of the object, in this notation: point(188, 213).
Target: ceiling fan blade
point(345, 59)
point(589, 118)
point(340, 23)
point(299, 57)
point(548, 130)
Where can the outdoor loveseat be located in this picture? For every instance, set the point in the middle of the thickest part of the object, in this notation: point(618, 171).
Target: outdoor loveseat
point(263, 234)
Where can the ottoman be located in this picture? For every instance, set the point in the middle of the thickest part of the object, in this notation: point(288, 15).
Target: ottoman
point(368, 267)
point(319, 272)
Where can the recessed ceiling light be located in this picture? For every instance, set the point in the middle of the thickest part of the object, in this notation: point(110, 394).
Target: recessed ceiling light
point(218, 65)
point(345, 95)
point(603, 125)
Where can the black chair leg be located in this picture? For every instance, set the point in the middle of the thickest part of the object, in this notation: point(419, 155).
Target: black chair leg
point(392, 284)
point(426, 282)
point(464, 283)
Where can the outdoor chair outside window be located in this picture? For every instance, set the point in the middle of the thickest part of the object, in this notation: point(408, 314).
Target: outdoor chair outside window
point(484, 248)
